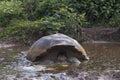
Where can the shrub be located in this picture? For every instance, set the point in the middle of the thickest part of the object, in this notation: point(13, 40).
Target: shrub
point(29, 7)
point(72, 21)
point(65, 13)
point(43, 17)
point(115, 20)
point(29, 31)
point(47, 7)
point(99, 11)
point(8, 10)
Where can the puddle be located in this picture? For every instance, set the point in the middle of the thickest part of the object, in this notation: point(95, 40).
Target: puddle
point(6, 45)
point(104, 64)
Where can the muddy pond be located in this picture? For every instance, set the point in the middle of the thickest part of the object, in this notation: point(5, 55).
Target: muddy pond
point(104, 64)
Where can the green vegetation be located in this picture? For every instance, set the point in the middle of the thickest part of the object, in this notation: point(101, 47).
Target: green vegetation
point(8, 11)
point(27, 20)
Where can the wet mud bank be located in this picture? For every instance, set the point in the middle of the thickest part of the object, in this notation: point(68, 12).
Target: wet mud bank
point(103, 64)
point(108, 75)
point(102, 34)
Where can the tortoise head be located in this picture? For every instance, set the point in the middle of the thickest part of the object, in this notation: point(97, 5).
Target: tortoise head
point(83, 56)
point(34, 53)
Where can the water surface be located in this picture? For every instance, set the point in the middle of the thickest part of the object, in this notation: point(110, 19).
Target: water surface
point(104, 62)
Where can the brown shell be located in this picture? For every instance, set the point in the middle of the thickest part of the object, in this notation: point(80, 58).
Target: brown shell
point(46, 43)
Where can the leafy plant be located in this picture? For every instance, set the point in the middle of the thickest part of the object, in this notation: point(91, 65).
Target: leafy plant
point(27, 20)
point(28, 31)
point(10, 7)
point(8, 10)
point(115, 21)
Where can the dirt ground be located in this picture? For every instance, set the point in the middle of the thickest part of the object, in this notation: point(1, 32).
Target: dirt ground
point(98, 34)
point(94, 75)
point(102, 34)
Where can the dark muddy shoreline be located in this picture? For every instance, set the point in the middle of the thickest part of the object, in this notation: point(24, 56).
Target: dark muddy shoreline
point(102, 34)
point(89, 34)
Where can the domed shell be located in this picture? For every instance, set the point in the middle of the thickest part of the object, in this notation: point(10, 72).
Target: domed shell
point(62, 41)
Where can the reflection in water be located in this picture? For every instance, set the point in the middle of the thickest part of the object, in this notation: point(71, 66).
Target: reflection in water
point(13, 64)
point(6, 45)
point(103, 56)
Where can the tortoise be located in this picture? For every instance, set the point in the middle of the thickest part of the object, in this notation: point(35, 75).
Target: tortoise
point(57, 47)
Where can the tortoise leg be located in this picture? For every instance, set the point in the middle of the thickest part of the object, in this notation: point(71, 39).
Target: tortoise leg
point(73, 60)
point(61, 56)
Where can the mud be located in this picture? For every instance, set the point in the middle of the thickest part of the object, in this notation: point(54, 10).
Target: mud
point(102, 34)
point(103, 64)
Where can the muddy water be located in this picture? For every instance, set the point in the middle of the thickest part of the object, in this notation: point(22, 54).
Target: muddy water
point(104, 64)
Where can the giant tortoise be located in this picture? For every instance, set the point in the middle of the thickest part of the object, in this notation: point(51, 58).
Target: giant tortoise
point(57, 47)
